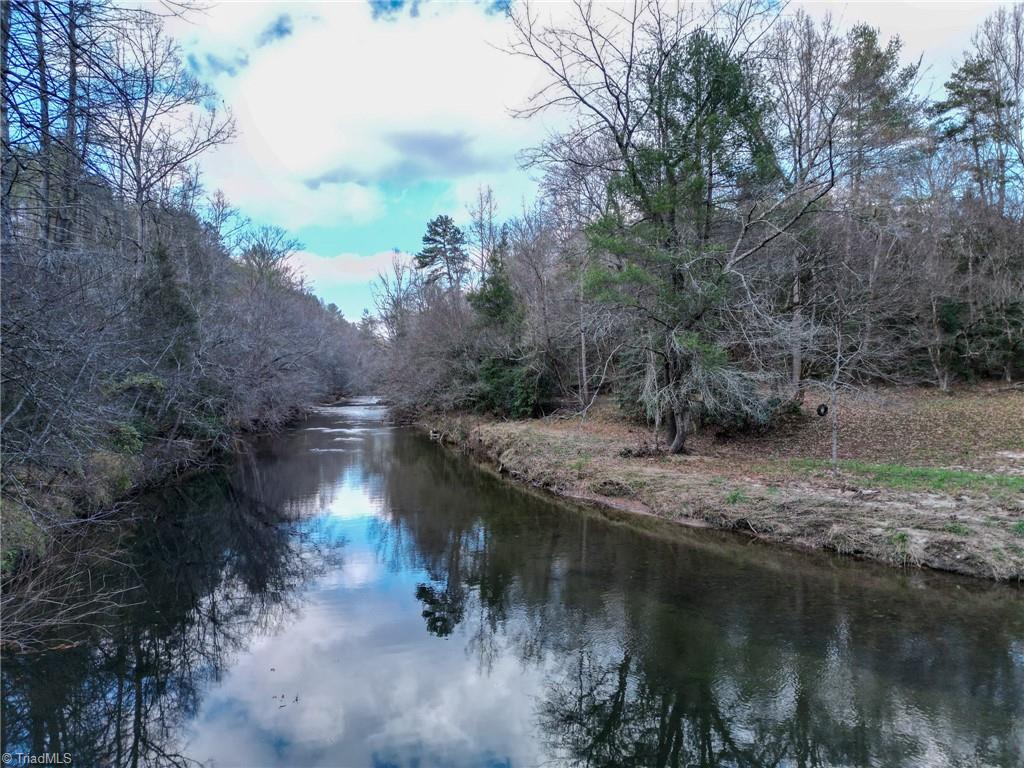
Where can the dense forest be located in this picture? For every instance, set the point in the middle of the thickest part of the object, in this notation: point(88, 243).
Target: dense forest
point(144, 321)
point(747, 205)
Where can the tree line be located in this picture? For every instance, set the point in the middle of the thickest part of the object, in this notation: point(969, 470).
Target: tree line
point(144, 321)
point(747, 205)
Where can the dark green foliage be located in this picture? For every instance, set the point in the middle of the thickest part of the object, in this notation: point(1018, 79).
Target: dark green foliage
point(125, 438)
point(880, 106)
point(966, 115)
point(708, 115)
point(508, 388)
point(168, 318)
point(444, 252)
point(506, 385)
point(996, 341)
point(495, 301)
point(974, 114)
point(203, 424)
point(989, 345)
point(662, 260)
point(735, 419)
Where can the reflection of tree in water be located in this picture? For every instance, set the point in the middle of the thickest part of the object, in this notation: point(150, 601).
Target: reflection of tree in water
point(442, 610)
point(213, 568)
point(608, 710)
point(666, 655)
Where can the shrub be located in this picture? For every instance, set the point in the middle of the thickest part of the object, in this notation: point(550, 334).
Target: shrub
point(508, 388)
point(125, 438)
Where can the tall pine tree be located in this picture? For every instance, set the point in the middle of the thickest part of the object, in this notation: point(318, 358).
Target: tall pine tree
point(444, 256)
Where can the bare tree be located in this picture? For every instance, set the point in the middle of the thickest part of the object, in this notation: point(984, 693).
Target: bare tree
point(162, 120)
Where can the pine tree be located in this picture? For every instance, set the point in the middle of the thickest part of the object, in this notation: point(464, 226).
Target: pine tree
point(881, 110)
point(444, 254)
point(971, 116)
point(707, 146)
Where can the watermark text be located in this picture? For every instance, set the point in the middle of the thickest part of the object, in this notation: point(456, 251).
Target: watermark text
point(46, 758)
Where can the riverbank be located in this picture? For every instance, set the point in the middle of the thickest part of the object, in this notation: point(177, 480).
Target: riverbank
point(926, 480)
point(51, 504)
point(45, 505)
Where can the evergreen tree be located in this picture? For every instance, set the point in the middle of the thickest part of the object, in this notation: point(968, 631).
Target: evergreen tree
point(495, 301)
point(970, 115)
point(880, 111)
point(167, 315)
point(444, 254)
point(509, 380)
point(706, 149)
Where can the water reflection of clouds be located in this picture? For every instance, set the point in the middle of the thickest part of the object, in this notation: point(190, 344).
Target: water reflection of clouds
point(342, 430)
point(351, 495)
point(361, 569)
point(373, 688)
point(367, 692)
point(352, 502)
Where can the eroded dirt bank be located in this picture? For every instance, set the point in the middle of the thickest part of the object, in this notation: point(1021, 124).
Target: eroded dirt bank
point(972, 524)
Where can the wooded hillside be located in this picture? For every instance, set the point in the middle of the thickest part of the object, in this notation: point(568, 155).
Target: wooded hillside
point(144, 321)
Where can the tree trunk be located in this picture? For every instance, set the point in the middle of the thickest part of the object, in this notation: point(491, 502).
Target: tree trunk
point(142, 230)
point(44, 122)
point(584, 375)
point(678, 426)
point(7, 167)
point(708, 199)
point(796, 373)
point(935, 350)
point(835, 428)
point(796, 343)
point(71, 136)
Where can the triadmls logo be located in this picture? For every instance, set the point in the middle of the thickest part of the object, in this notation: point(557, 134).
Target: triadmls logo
point(47, 758)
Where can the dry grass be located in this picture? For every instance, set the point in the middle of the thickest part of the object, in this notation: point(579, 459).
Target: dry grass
point(926, 479)
point(973, 429)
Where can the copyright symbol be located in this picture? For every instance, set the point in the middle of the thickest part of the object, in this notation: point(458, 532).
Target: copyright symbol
point(7, 758)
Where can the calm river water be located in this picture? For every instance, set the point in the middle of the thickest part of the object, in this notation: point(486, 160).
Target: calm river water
point(354, 595)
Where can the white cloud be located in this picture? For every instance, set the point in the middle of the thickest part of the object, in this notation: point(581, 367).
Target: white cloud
point(345, 279)
point(343, 95)
point(345, 267)
point(339, 96)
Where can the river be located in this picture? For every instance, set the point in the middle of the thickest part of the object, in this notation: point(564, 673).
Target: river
point(351, 594)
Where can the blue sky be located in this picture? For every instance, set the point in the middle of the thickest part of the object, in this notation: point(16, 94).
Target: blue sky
point(360, 121)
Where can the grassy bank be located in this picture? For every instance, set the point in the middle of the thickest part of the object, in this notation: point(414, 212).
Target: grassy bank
point(925, 479)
